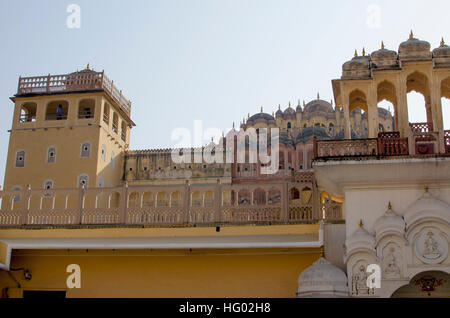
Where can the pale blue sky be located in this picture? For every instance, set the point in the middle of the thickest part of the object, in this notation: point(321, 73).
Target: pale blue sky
point(210, 60)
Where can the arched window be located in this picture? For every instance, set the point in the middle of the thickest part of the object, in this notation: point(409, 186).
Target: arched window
point(123, 131)
point(17, 197)
point(106, 113)
point(86, 109)
point(115, 123)
point(289, 126)
point(28, 113)
point(57, 110)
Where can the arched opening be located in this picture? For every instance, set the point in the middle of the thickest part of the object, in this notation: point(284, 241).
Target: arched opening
point(86, 109)
point(106, 110)
point(209, 198)
point(289, 125)
point(306, 196)
point(123, 131)
point(259, 197)
point(175, 199)
point(162, 199)
point(358, 124)
point(115, 123)
point(133, 200)
point(148, 199)
point(387, 107)
point(433, 284)
point(274, 196)
point(28, 113)
point(244, 197)
point(418, 96)
point(57, 110)
point(196, 198)
point(358, 114)
point(294, 196)
point(331, 129)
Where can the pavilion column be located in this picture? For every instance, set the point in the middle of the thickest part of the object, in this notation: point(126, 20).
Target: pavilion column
point(372, 113)
point(347, 124)
point(402, 108)
point(436, 104)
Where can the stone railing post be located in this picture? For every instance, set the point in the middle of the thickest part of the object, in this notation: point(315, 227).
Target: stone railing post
point(187, 202)
point(81, 197)
point(124, 204)
point(218, 202)
point(26, 211)
point(285, 203)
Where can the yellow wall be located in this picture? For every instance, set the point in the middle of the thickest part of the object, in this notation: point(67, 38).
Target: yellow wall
point(179, 273)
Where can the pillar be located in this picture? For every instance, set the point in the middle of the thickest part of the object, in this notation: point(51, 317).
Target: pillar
point(402, 107)
point(372, 112)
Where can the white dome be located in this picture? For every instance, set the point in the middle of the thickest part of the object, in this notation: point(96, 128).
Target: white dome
point(322, 279)
point(389, 223)
point(427, 207)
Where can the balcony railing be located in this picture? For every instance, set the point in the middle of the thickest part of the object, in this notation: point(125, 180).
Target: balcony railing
point(80, 81)
point(27, 118)
point(346, 148)
point(390, 144)
point(157, 205)
point(55, 116)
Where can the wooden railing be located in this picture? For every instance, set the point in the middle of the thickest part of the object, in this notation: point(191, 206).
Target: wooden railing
point(419, 128)
point(157, 205)
point(79, 81)
point(390, 144)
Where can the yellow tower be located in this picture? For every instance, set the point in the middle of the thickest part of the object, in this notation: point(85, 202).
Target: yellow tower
point(68, 130)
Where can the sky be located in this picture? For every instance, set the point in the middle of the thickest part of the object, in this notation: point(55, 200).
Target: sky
point(179, 61)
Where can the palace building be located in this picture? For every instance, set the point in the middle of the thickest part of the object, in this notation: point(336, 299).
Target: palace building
point(356, 186)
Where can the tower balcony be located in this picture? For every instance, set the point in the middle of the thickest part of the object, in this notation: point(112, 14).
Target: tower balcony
point(82, 81)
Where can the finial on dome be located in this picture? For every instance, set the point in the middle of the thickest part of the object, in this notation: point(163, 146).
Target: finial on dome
point(442, 42)
point(289, 103)
point(356, 53)
point(279, 107)
point(389, 206)
point(87, 67)
point(261, 109)
point(212, 139)
point(248, 115)
point(364, 51)
point(361, 224)
point(233, 124)
point(318, 95)
point(331, 102)
point(411, 35)
point(304, 103)
point(382, 45)
point(298, 102)
point(273, 114)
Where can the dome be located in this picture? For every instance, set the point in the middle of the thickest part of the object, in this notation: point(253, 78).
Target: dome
point(357, 67)
point(289, 112)
point(441, 55)
point(279, 112)
point(390, 223)
point(384, 59)
point(427, 206)
point(260, 117)
point(322, 279)
point(360, 240)
point(414, 49)
point(318, 105)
